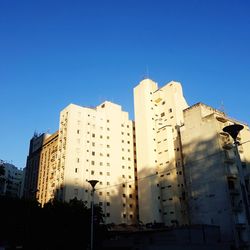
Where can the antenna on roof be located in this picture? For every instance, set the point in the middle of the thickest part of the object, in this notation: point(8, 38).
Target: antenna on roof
point(146, 75)
point(222, 107)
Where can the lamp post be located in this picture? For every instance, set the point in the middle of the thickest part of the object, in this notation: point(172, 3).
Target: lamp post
point(92, 183)
point(233, 131)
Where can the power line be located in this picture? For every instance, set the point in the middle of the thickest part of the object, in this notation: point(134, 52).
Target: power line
point(157, 173)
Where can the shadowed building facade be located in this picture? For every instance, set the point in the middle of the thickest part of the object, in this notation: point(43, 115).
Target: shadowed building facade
point(218, 192)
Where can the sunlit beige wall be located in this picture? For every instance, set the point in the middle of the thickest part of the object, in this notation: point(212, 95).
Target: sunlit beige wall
point(47, 177)
point(158, 116)
point(98, 143)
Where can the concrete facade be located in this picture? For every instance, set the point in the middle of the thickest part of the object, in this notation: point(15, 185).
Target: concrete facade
point(48, 170)
point(215, 175)
point(12, 180)
point(158, 116)
point(33, 166)
point(98, 143)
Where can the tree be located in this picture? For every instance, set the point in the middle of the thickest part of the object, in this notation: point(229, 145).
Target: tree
point(2, 170)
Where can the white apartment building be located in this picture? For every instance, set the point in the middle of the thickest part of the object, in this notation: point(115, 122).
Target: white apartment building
point(12, 180)
point(217, 181)
point(98, 143)
point(158, 117)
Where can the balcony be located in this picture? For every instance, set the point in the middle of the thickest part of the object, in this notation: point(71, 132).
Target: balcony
point(238, 208)
point(229, 161)
point(227, 146)
point(234, 192)
point(241, 225)
point(231, 176)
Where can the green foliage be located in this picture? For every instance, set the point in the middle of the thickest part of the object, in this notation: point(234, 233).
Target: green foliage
point(58, 225)
point(2, 170)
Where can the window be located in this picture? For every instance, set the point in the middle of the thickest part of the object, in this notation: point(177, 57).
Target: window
point(108, 164)
point(108, 146)
point(101, 163)
point(108, 173)
point(130, 196)
point(108, 204)
point(78, 160)
point(108, 183)
point(75, 170)
point(93, 135)
point(108, 214)
point(93, 144)
point(100, 193)
point(124, 195)
point(107, 155)
point(93, 153)
point(107, 121)
point(101, 136)
point(92, 163)
point(92, 172)
point(78, 131)
point(123, 185)
point(100, 203)
point(170, 110)
point(108, 193)
point(162, 114)
point(100, 173)
point(124, 215)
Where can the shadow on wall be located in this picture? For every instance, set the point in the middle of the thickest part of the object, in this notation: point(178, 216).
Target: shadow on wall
point(33, 166)
point(212, 177)
point(119, 202)
point(168, 197)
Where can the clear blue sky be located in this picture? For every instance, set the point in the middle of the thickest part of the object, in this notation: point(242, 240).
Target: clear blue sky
point(53, 53)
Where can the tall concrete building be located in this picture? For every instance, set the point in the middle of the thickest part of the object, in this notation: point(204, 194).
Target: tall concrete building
point(158, 117)
point(98, 143)
point(33, 166)
point(217, 180)
point(92, 143)
point(48, 176)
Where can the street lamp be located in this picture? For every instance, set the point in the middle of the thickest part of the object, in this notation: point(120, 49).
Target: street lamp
point(233, 131)
point(92, 183)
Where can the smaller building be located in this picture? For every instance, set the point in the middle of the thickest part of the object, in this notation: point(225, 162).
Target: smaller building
point(11, 180)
